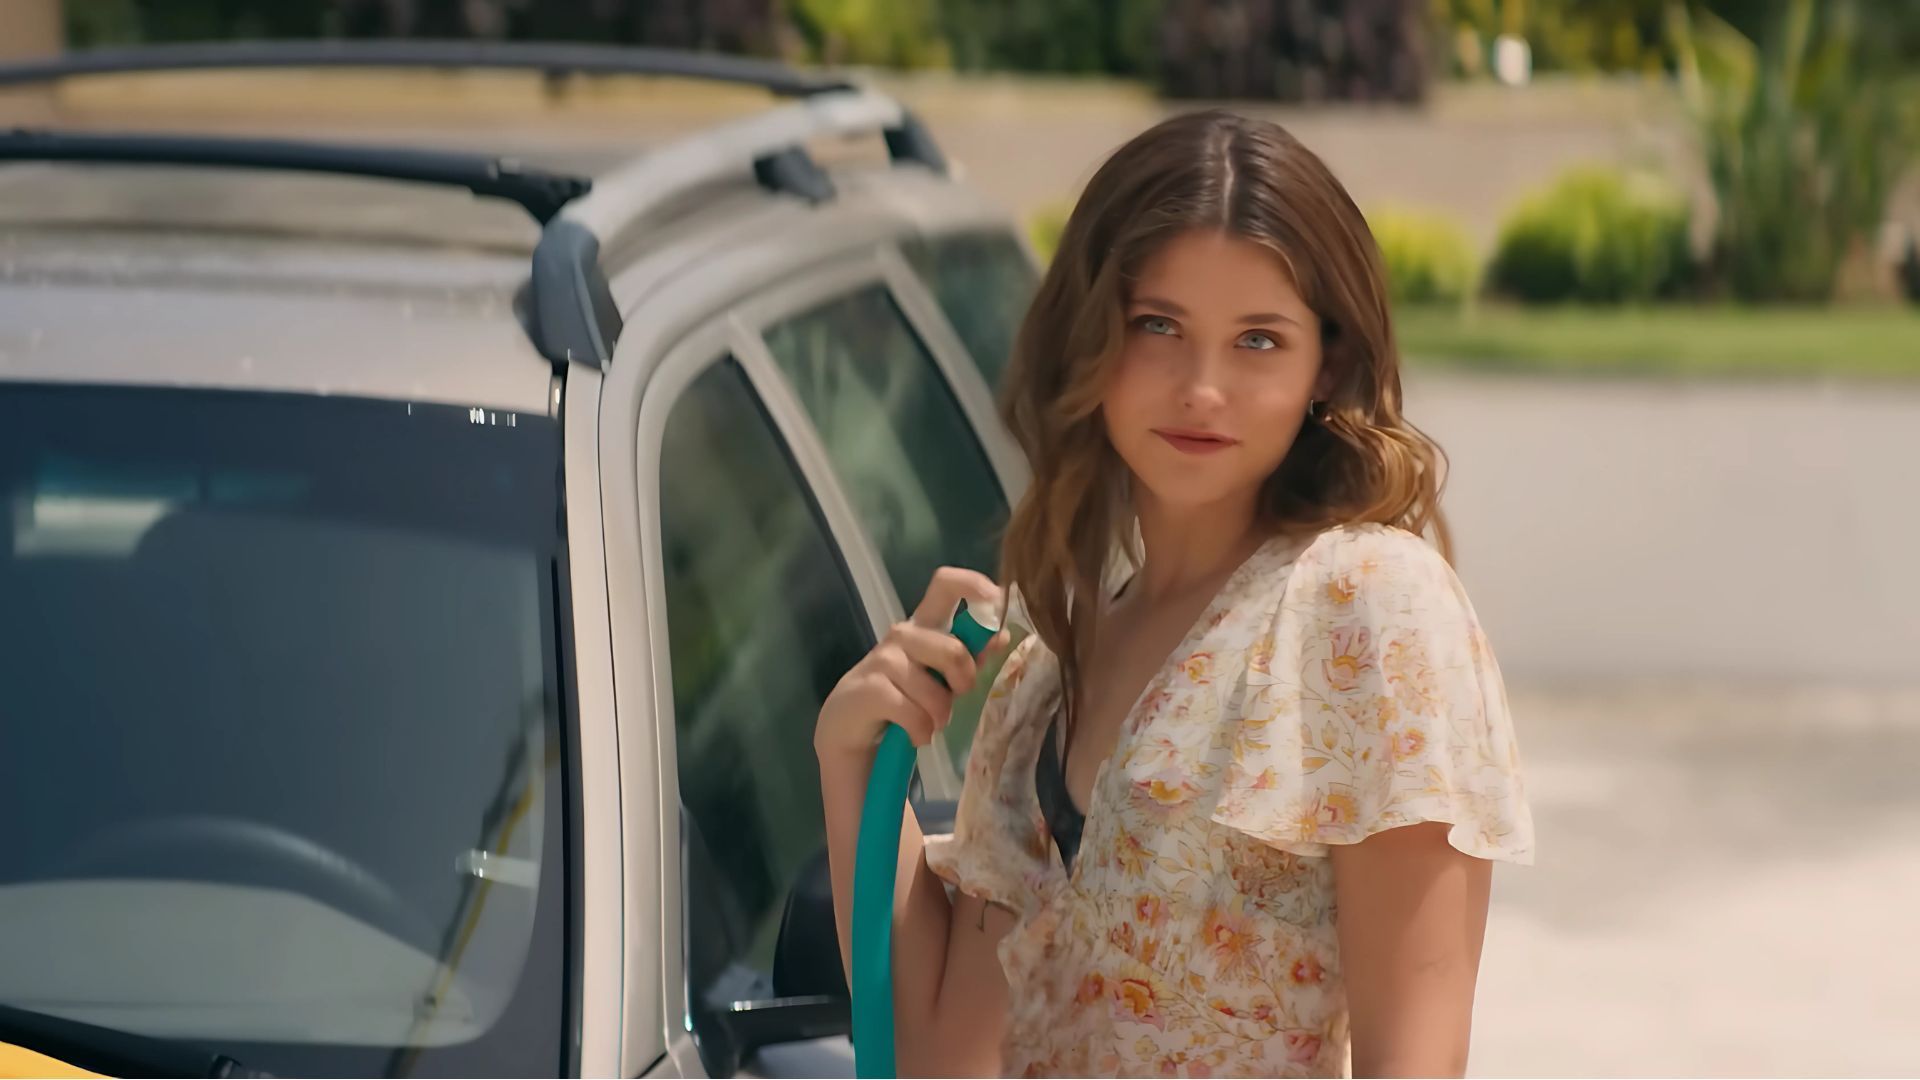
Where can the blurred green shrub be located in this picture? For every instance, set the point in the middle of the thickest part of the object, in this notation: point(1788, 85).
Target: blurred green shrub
point(1626, 36)
point(1429, 257)
point(1044, 227)
point(1804, 141)
point(881, 33)
point(1595, 235)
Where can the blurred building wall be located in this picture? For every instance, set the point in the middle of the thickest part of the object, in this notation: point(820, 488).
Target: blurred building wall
point(30, 28)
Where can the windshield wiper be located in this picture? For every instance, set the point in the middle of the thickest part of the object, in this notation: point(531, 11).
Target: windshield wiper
point(110, 1050)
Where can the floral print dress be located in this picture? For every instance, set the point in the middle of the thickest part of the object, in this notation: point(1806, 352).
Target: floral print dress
point(1333, 689)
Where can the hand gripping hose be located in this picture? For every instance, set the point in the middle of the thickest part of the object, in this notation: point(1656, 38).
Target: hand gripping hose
point(875, 861)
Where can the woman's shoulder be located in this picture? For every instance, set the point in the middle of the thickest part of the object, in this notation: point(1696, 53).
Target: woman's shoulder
point(1011, 700)
point(1370, 548)
point(1348, 563)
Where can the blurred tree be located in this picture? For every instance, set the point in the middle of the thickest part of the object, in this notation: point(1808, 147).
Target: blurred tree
point(1303, 48)
point(110, 22)
point(739, 26)
point(1109, 37)
point(1296, 50)
point(1804, 136)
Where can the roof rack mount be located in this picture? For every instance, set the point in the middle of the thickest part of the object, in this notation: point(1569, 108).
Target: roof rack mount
point(577, 320)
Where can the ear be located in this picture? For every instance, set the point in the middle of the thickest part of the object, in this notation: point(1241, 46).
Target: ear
point(1323, 383)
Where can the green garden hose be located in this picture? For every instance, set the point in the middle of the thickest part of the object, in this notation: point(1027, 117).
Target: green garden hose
point(875, 862)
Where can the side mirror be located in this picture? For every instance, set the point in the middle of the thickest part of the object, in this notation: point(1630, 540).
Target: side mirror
point(806, 958)
point(736, 1012)
point(808, 998)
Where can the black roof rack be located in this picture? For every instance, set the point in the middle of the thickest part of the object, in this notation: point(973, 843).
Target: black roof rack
point(551, 58)
point(542, 194)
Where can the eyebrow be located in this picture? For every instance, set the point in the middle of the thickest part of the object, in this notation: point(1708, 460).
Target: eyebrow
point(1178, 312)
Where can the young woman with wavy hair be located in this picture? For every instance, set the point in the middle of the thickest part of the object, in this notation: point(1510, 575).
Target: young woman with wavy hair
point(1254, 693)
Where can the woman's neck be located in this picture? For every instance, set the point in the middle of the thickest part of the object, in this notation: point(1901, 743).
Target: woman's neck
point(1191, 550)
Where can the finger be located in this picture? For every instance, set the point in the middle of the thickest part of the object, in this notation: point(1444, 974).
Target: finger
point(903, 710)
point(1000, 643)
point(940, 651)
point(920, 687)
point(950, 585)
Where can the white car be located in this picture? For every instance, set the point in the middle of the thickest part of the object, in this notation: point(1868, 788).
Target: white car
point(414, 607)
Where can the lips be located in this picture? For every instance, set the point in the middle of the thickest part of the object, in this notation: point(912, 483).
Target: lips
point(1190, 441)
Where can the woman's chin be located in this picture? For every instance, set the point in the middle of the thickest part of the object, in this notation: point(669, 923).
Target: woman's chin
point(1179, 497)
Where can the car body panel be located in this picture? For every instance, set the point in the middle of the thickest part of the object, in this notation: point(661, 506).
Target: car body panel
point(602, 903)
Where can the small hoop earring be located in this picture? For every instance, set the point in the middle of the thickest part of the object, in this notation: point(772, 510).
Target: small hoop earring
point(1313, 410)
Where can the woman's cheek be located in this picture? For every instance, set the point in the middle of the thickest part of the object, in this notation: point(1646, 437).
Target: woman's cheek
point(1134, 383)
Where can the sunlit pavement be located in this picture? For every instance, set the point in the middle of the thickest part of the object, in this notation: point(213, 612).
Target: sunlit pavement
point(1728, 886)
point(1707, 601)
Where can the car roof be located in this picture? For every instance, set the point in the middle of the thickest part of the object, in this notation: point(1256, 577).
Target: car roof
point(185, 277)
point(135, 260)
point(328, 285)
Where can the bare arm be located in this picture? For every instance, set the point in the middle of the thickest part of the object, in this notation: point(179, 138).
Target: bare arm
point(949, 991)
point(949, 995)
point(1413, 916)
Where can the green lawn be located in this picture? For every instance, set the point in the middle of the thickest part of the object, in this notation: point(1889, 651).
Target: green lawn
point(1851, 341)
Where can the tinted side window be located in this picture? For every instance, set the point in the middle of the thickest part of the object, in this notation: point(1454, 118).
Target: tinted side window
point(911, 462)
point(984, 282)
point(906, 453)
point(762, 622)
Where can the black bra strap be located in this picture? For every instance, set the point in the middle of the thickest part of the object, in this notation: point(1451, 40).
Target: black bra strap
point(1064, 820)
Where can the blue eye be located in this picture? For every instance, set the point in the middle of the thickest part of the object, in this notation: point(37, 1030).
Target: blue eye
point(1259, 340)
point(1157, 325)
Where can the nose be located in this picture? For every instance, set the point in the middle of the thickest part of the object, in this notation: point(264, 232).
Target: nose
point(1202, 385)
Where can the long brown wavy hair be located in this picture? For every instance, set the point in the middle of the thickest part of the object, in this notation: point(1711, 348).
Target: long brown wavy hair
point(1356, 458)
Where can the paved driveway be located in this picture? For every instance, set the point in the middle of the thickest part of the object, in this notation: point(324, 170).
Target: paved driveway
point(1707, 602)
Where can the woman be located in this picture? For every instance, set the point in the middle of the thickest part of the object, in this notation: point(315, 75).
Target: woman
point(1287, 706)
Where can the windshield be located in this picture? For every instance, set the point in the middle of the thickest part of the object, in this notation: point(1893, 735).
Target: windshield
point(282, 772)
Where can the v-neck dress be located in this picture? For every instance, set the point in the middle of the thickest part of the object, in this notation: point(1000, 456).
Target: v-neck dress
point(1336, 687)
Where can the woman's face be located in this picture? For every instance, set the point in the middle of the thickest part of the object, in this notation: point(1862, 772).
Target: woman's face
point(1220, 361)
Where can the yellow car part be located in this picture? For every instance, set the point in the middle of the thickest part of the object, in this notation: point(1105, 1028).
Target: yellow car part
point(19, 1063)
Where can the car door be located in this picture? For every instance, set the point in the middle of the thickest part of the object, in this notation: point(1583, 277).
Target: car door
point(768, 592)
point(814, 466)
point(778, 351)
